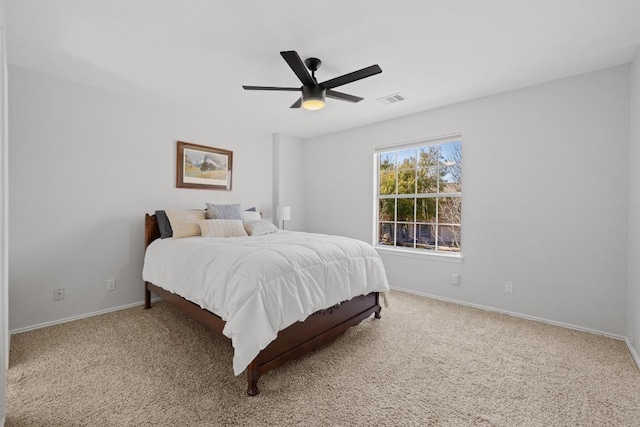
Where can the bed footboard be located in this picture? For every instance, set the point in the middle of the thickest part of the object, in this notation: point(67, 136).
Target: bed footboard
point(317, 330)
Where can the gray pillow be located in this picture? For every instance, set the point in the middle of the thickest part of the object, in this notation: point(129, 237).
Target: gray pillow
point(260, 227)
point(232, 211)
point(164, 225)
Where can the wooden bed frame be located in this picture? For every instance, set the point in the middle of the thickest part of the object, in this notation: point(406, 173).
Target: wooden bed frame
point(317, 330)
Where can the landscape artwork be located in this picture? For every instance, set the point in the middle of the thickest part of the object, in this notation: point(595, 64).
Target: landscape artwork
point(203, 167)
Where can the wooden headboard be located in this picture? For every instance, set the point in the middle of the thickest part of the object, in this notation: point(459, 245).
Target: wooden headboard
point(151, 229)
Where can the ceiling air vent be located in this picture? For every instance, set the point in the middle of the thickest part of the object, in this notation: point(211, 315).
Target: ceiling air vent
point(391, 99)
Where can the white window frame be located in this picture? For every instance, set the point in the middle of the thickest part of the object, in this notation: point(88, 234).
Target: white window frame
point(402, 250)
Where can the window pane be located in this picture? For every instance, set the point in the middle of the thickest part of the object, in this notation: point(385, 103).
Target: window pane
point(449, 209)
point(428, 180)
point(405, 235)
point(405, 210)
point(388, 161)
point(387, 210)
point(427, 156)
point(451, 153)
point(426, 236)
point(449, 238)
point(387, 182)
point(426, 210)
point(450, 179)
point(407, 181)
point(407, 159)
point(386, 233)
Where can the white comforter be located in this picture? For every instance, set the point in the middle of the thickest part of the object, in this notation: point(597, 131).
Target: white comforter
point(260, 285)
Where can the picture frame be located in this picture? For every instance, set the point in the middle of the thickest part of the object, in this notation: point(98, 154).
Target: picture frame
point(202, 167)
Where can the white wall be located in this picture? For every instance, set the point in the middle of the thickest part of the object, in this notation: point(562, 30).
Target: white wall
point(633, 298)
point(545, 188)
point(4, 257)
point(289, 184)
point(85, 166)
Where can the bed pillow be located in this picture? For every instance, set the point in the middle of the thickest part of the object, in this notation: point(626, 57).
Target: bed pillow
point(248, 216)
point(232, 211)
point(164, 225)
point(185, 223)
point(259, 227)
point(222, 228)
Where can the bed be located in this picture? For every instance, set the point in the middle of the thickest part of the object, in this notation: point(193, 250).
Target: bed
point(264, 344)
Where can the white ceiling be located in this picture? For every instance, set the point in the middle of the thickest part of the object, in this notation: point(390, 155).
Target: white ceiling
point(196, 54)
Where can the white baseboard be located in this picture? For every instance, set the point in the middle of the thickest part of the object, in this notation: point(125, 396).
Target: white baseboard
point(78, 317)
point(633, 352)
point(511, 313)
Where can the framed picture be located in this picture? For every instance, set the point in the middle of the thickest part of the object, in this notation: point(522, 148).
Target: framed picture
point(203, 167)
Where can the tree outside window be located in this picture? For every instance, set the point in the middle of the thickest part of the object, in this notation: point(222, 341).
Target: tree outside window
point(420, 197)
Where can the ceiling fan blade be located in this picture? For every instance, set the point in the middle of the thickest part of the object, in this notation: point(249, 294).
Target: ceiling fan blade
point(342, 96)
point(297, 104)
point(298, 67)
point(291, 89)
point(352, 77)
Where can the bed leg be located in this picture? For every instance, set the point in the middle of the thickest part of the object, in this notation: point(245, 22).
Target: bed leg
point(147, 297)
point(253, 375)
point(377, 314)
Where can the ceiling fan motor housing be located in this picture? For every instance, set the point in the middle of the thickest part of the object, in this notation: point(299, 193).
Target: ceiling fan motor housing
point(313, 92)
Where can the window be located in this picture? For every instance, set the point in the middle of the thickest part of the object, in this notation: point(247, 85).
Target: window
point(419, 196)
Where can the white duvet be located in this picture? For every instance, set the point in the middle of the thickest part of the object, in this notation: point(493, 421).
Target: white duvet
point(262, 284)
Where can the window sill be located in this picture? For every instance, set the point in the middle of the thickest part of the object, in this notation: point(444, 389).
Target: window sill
point(455, 258)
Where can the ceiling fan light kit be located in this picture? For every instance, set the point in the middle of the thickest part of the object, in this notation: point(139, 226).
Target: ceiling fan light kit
point(314, 93)
point(313, 97)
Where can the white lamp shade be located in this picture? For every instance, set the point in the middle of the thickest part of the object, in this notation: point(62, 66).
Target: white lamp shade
point(283, 213)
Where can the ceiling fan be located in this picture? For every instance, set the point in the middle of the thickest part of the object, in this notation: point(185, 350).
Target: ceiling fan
point(314, 93)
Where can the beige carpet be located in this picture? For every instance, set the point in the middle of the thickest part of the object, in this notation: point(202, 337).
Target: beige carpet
point(425, 363)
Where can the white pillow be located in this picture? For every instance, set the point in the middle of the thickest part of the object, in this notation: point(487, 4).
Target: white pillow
point(222, 228)
point(260, 227)
point(248, 216)
point(185, 223)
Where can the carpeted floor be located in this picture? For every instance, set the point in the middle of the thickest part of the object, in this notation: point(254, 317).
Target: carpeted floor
point(426, 362)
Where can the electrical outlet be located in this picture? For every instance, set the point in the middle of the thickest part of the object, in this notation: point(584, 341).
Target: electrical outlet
point(455, 279)
point(508, 287)
point(111, 284)
point(58, 294)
